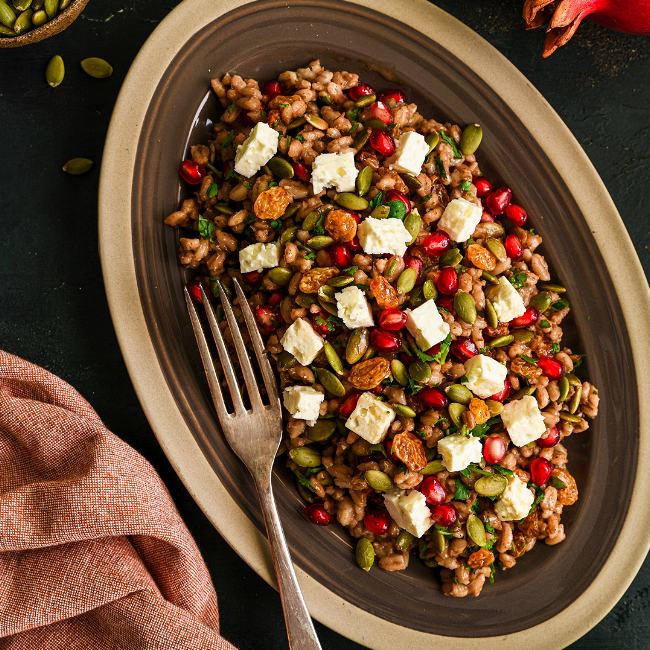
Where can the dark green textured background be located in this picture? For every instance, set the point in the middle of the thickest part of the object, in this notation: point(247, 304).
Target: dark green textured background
point(53, 309)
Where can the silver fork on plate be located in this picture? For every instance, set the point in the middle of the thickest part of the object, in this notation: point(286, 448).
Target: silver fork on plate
point(255, 436)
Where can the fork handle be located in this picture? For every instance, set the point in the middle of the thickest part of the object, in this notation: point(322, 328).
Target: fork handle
point(300, 629)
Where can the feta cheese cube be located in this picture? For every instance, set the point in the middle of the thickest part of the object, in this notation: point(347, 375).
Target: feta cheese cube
point(353, 308)
point(410, 511)
point(301, 341)
point(258, 148)
point(515, 501)
point(485, 376)
point(460, 218)
point(259, 256)
point(523, 420)
point(411, 150)
point(303, 402)
point(506, 300)
point(426, 326)
point(379, 236)
point(459, 451)
point(334, 170)
point(370, 419)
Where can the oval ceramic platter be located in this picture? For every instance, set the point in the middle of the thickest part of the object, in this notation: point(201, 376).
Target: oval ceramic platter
point(554, 594)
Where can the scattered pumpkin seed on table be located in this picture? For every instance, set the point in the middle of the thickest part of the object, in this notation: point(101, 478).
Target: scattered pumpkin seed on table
point(97, 68)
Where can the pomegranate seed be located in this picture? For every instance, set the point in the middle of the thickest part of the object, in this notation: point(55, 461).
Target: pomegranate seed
point(367, 459)
point(482, 185)
point(193, 286)
point(191, 172)
point(317, 514)
point(516, 214)
point(382, 112)
point(446, 302)
point(486, 216)
point(354, 245)
point(268, 318)
point(349, 404)
point(406, 358)
point(394, 195)
point(361, 90)
point(551, 367)
point(301, 171)
point(434, 350)
point(245, 118)
point(321, 325)
point(388, 446)
point(433, 398)
point(392, 319)
point(272, 87)
point(445, 514)
point(395, 94)
point(437, 243)
point(513, 246)
point(252, 278)
point(501, 396)
point(416, 263)
point(377, 522)
point(382, 143)
point(529, 318)
point(275, 299)
point(494, 449)
point(498, 201)
point(340, 255)
point(433, 491)
point(384, 341)
point(463, 348)
point(447, 281)
point(540, 471)
point(550, 439)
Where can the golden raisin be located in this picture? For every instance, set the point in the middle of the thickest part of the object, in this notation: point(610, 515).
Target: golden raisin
point(480, 558)
point(274, 119)
point(480, 410)
point(569, 495)
point(279, 101)
point(410, 450)
point(532, 525)
point(481, 257)
point(341, 225)
point(522, 475)
point(524, 369)
point(369, 374)
point(501, 330)
point(385, 294)
point(314, 279)
point(272, 203)
point(518, 545)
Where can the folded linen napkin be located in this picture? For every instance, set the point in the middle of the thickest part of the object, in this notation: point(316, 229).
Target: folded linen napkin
point(93, 553)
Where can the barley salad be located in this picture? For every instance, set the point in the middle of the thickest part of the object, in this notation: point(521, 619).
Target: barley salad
point(416, 330)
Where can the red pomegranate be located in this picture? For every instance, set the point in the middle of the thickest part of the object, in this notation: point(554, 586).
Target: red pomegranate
point(252, 278)
point(317, 514)
point(271, 87)
point(494, 449)
point(377, 522)
point(191, 172)
point(498, 201)
point(381, 111)
point(437, 243)
point(433, 491)
point(433, 398)
point(340, 255)
point(349, 403)
point(193, 286)
point(445, 514)
point(416, 263)
point(360, 91)
point(487, 217)
point(382, 142)
point(382, 341)
point(551, 367)
point(463, 348)
point(502, 395)
point(482, 185)
point(395, 94)
point(301, 171)
point(550, 439)
point(354, 245)
point(540, 471)
point(513, 247)
point(392, 319)
point(516, 214)
point(529, 317)
point(322, 325)
point(388, 446)
point(394, 195)
point(447, 281)
point(268, 318)
point(446, 302)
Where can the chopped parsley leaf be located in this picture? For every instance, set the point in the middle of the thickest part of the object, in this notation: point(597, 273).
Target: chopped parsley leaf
point(300, 138)
point(231, 108)
point(518, 280)
point(228, 139)
point(397, 210)
point(276, 224)
point(556, 347)
point(206, 228)
point(248, 186)
point(379, 447)
point(466, 186)
point(452, 143)
point(560, 304)
point(351, 270)
point(528, 359)
point(413, 388)
point(423, 551)
point(213, 190)
point(426, 198)
point(462, 491)
point(377, 201)
point(440, 166)
point(441, 357)
point(402, 469)
point(302, 478)
point(273, 184)
point(578, 361)
point(557, 484)
point(544, 324)
point(310, 256)
point(502, 470)
point(325, 100)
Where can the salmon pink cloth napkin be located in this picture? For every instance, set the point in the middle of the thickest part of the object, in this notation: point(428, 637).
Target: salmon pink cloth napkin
point(93, 554)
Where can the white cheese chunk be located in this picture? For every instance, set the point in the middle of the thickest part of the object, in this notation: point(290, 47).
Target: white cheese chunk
point(460, 218)
point(353, 308)
point(258, 148)
point(410, 511)
point(506, 300)
point(301, 341)
point(523, 420)
point(485, 376)
point(411, 150)
point(515, 501)
point(459, 451)
point(303, 402)
point(370, 419)
point(426, 326)
point(259, 256)
point(379, 236)
point(334, 170)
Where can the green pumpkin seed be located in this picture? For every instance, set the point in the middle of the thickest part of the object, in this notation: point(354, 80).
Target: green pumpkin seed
point(493, 229)
point(411, 182)
point(476, 530)
point(6, 31)
point(456, 410)
point(439, 541)
point(304, 492)
point(522, 392)
point(365, 554)
point(332, 358)
point(24, 22)
point(404, 540)
point(292, 208)
point(286, 360)
point(324, 478)
point(326, 292)
point(21, 5)
point(488, 277)
point(320, 242)
point(77, 166)
point(430, 454)
point(306, 300)
point(328, 307)
point(310, 221)
point(64, 4)
point(321, 431)
point(496, 248)
point(500, 341)
point(378, 480)
point(280, 275)
point(407, 280)
point(225, 209)
point(431, 563)
point(549, 286)
point(305, 456)
point(404, 411)
point(542, 301)
point(491, 315)
point(575, 400)
point(316, 121)
point(573, 380)
point(459, 394)
point(331, 382)
point(429, 290)
point(433, 467)
point(413, 223)
point(361, 139)
point(357, 345)
point(491, 486)
point(465, 307)
point(351, 201)
point(569, 417)
point(365, 100)
point(471, 139)
point(494, 407)
point(280, 167)
point(374, 123)
point(51, 8)
point(419, 371)
point(370, 353)
point(564, 386)
point(288, 235)
point(340, 281)
point(417, 296)
point(452, 257)
point(432, 140)
point(93, 66)
point(7, 15)
point(297, 123)
point(400, 373)
point(364, 180)
point(523, 336)
point(380, 212)
point(55, 71)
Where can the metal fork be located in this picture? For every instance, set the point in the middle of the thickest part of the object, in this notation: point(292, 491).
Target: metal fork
point(255, 436)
